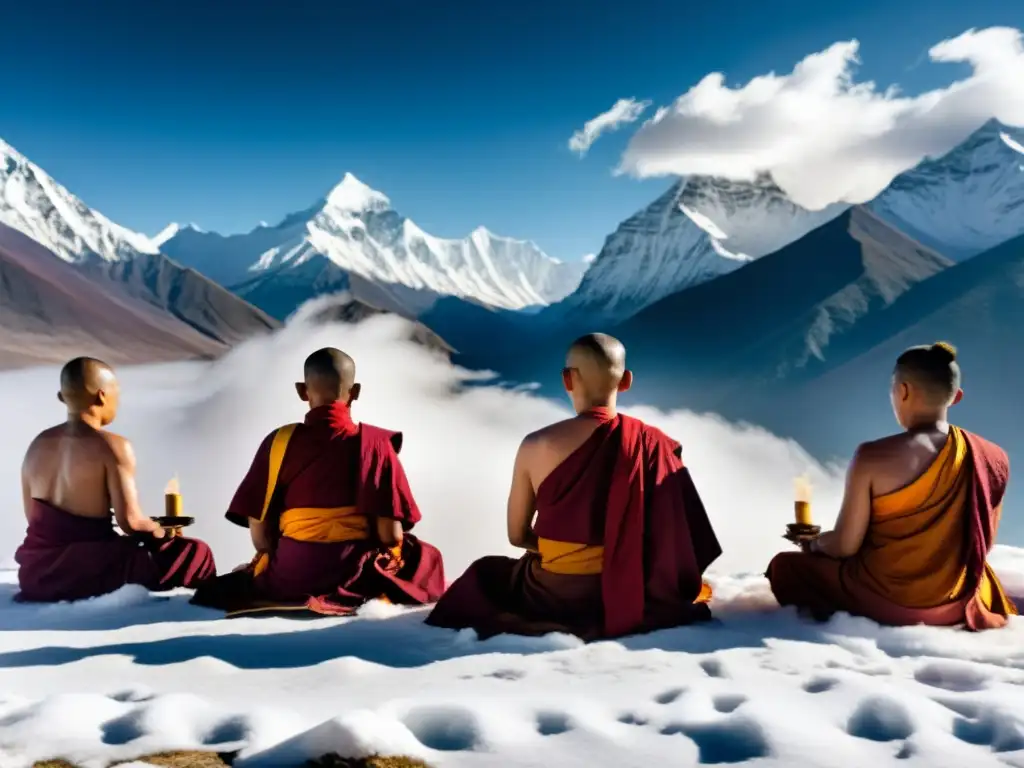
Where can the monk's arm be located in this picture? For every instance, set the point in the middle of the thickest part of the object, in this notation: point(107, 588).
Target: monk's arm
point(259, 533)
point(247, 504)
point(389, 531)
point(847, 537)
point(387, 497)
point(124, 494)
point(26, 489)
point(522, 503)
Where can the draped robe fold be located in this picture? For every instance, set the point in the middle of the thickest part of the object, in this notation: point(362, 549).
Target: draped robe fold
point(69, 557)
point(923, 560)
point(321, 486)
point(624, 541)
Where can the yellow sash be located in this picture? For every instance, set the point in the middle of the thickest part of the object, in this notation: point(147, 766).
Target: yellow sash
point(571, 559)
point(277, 450)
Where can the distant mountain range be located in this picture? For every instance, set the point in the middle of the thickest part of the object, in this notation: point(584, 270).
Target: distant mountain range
point(61, 242)
point(353, 240)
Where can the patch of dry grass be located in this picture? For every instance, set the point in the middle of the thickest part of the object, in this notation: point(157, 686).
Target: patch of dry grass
point(213, 760)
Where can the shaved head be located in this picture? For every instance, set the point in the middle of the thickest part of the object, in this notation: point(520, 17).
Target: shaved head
point(599, 363)
point(933, 370)
point(329, 374)
point(82, 380)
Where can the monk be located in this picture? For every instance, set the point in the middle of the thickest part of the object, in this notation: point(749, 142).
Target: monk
point(329, 510)
point(73, 475)
point(616, 538)
point(918, 518)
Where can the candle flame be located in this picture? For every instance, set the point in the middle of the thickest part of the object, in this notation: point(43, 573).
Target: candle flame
point(173, 486)
point(802, 488)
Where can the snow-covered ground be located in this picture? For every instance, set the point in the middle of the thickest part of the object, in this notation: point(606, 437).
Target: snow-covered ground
point(131, 674)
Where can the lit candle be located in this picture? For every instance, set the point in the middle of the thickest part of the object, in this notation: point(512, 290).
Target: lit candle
point(802, 505)
point(172, 498)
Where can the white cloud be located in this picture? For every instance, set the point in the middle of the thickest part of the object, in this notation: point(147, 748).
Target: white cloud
point(824, 137)
point(624, 111)
point(204, 421)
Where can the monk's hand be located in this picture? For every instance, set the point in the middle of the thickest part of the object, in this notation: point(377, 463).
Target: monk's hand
point(159, 532)
point(807, 544)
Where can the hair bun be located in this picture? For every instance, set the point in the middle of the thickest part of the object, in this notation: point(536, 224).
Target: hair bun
point(944, 350)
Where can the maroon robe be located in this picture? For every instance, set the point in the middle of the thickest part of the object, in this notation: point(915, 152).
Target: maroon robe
point(68, 557)
point(330, 462)
point(627, 490)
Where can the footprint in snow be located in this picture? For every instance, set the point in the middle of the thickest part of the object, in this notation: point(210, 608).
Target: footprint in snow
point(879, 718)
point(446, 729)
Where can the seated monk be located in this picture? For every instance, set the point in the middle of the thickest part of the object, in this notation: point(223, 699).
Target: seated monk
point(918, 518)
point(72, 476)
point(329, 510)
point(621, 539)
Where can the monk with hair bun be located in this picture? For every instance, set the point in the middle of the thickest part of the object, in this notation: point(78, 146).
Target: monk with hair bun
point(918, 518)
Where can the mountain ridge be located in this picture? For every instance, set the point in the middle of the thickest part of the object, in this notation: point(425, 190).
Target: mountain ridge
point(354, 231)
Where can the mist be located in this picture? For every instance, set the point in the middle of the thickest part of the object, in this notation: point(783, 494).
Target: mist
point(204, 421)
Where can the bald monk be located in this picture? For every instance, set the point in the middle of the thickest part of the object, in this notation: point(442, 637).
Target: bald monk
point(329, 510)
point(73, 475)
point(918, 518)
point(616, 538)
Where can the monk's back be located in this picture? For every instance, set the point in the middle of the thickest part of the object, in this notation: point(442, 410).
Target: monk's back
point(321, 468)
point(67, 466)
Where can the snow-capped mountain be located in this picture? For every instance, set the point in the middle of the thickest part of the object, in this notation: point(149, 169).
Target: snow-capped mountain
point(121, 262)
point(966, 202)
point(698, 230)
point(961, 204)
point(355, 231)
point(36, 205)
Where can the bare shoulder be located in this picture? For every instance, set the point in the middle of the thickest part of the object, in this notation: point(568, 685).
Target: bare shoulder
point(547, 434)
point(120, 447)
point(44, 438)
point(46, 435)
point(875, 453)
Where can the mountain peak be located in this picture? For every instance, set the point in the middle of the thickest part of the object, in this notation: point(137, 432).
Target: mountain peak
point(173, 229)
point(353, 195)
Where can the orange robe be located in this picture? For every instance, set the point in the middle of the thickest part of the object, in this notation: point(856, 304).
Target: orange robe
point(923, 556)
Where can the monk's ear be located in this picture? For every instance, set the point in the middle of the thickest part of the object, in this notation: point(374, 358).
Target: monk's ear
point(101, 397)
point(958, 397)
point(301, 391)
point(626, 381)
point(60, 396)
point(353, 393)
point(567, 379)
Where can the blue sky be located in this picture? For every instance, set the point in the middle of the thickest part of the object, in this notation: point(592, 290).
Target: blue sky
point(227, 113)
